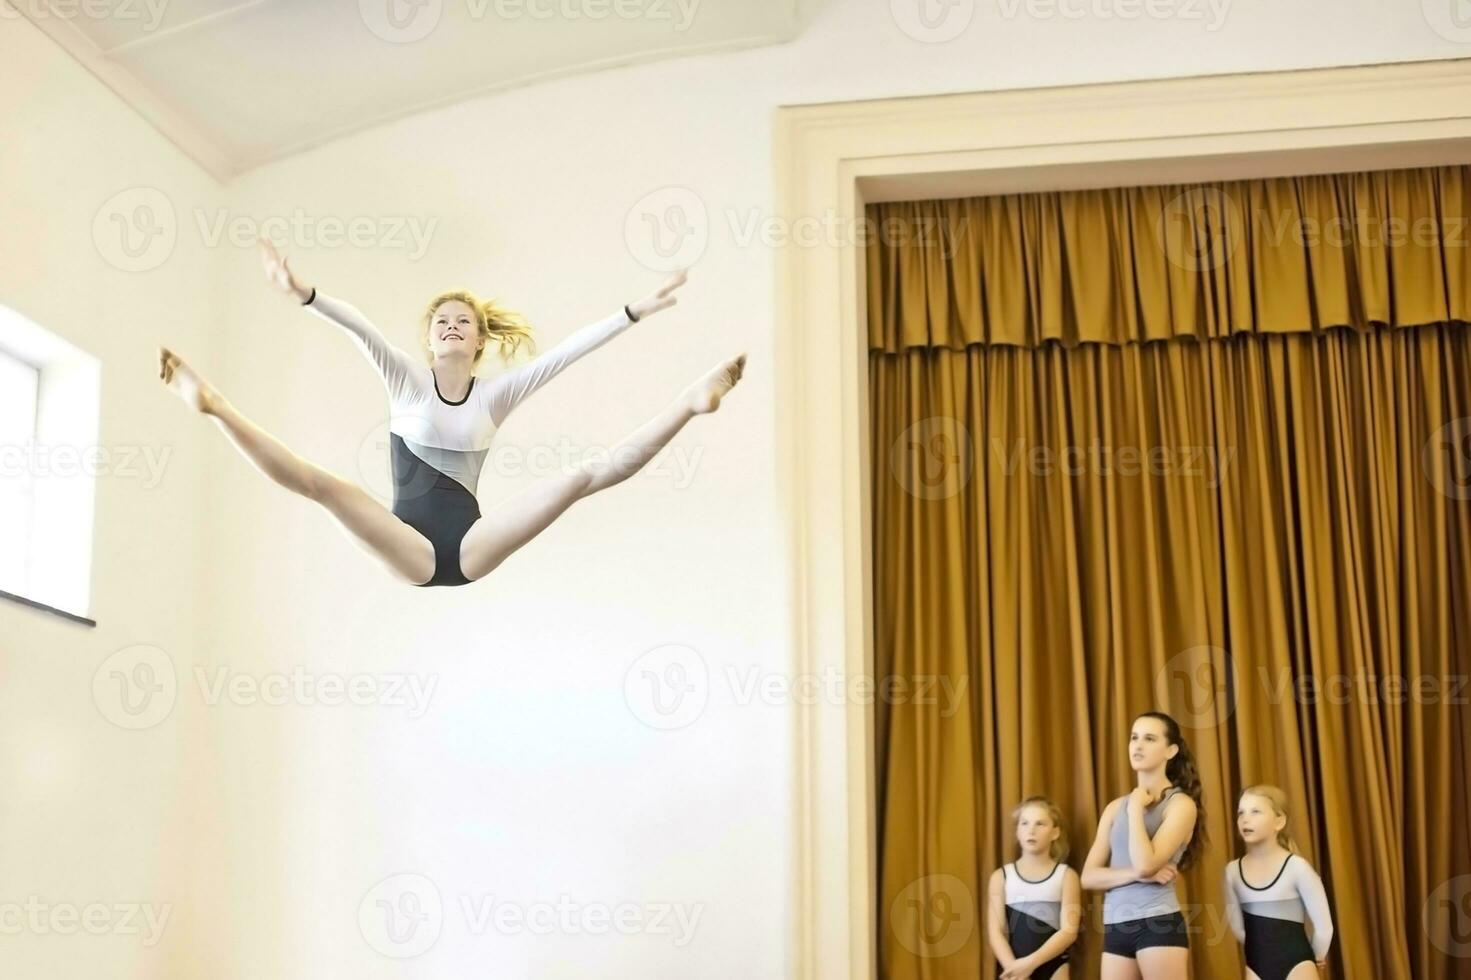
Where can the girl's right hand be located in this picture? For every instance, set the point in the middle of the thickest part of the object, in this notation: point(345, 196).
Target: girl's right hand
point(1163, 876)
point(278, 271)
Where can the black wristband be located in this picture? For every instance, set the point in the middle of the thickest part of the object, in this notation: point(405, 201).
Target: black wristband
point(308, 300)
point(631, 317)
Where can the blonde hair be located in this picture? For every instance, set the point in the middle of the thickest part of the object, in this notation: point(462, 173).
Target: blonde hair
point(1278, 799)
point(1059, 849)
point(509, 331)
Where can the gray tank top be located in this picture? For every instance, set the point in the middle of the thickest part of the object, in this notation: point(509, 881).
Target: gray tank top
point(1138, 899)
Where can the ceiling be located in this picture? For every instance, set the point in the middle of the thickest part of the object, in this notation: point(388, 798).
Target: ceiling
point(237, 83)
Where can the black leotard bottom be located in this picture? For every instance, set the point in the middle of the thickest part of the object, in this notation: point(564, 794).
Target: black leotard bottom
point(1275, 947)
point(1025, 935)
point(437, 506)
point(1128, 938)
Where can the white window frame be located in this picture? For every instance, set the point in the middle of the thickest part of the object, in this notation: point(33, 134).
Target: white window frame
point(58, 549)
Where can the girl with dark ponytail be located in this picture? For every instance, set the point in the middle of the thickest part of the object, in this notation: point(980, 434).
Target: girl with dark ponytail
point(1143, 841)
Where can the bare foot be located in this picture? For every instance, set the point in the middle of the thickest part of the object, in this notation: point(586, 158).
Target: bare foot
point(182, 381)
point(705, 394)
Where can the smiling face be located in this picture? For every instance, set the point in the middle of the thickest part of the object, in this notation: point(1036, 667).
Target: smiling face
point(1036, 831)
point(1149, 745)
point(1257, 818)
point(454, 331)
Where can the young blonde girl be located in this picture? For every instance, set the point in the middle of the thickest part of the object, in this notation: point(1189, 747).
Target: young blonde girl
point(1272, 892)
point(1036, 901)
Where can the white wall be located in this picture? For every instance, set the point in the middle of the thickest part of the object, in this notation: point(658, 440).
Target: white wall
point(92, 813)
point(530, 776)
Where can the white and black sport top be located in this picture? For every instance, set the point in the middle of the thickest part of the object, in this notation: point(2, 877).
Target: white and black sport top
point(454, 437)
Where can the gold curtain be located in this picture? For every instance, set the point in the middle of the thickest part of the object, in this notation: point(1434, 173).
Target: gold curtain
point(1109, 476)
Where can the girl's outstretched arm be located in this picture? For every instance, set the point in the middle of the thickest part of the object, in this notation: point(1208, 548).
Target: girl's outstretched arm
point(514, 387)
point(394, 366)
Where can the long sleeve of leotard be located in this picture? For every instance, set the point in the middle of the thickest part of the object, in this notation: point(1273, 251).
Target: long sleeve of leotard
point(1233, 907)
point(394, 366)
point(508, 390)
point(1315, 901)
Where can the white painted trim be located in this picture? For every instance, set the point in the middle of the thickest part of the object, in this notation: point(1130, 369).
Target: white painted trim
point(832, 159)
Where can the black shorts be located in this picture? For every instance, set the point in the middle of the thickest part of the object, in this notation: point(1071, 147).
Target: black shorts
point(434, 504)
point(1128, 938)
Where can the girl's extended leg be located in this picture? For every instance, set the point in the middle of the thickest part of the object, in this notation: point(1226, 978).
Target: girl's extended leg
point(405, 552)
point(518, 519)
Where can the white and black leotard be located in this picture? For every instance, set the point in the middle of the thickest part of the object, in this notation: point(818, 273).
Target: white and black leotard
point(1034, 914)
point(438, 447)
point(1270, 921)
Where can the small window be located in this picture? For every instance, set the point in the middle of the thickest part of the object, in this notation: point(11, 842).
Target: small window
point(49, 400)
point(19, 383)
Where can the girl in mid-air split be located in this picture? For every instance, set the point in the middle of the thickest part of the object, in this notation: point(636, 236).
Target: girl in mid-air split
point(443, 421)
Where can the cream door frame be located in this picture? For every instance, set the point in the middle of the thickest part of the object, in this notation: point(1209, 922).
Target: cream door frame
point(830, 160)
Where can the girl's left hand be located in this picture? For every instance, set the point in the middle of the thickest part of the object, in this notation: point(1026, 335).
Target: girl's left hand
point(1141, 798)
point(661, 298)
point(1020, 970)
